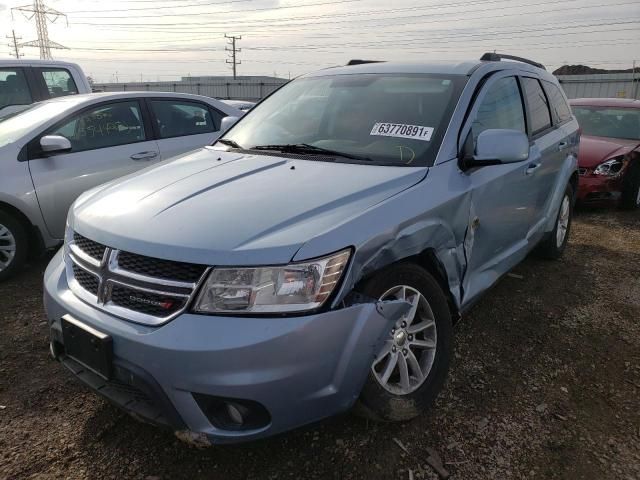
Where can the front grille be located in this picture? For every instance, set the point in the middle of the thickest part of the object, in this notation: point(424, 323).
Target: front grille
point(89, 247)
point(582, 171)
point(87, 280)
point(142, 289)
point(154, 304)
point(158, 268)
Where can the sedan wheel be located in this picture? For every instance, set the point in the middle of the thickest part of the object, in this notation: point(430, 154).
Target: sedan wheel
point(7, 247)
point(13, 245)
point(408, 354)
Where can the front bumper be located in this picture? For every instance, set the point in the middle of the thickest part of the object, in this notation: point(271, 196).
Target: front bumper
point(300, 369)
point(598, 189)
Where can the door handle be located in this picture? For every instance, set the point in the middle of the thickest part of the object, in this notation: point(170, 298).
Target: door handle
point(144, 156)
point(532, 168)
point(562, 145)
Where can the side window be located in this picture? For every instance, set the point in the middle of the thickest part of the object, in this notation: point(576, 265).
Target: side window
point(104, 126)
point(500, 108)
point(558, 102)
point(179, 119)
point(14, 89)
point(59, 82)
point(538, 105)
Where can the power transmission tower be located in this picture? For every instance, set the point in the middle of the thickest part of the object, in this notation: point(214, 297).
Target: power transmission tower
point(15, 48)
point(42, 14)
point(232, 52)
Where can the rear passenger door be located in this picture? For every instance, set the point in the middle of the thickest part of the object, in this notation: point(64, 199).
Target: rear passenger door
point(108, 141)
point(549, 145)
point(183, 125)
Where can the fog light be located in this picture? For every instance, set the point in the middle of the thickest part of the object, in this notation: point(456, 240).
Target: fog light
point(234, 414)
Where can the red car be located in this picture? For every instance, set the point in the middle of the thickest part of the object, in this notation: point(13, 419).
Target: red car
point(609, 155)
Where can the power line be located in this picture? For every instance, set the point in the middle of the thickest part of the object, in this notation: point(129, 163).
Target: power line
point(42, 15)
point(157, 7)
point(15, 48)
point(232, 52)
point(261, 9)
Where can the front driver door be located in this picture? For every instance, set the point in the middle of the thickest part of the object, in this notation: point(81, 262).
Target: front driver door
point(503, 197)
point(107, 141)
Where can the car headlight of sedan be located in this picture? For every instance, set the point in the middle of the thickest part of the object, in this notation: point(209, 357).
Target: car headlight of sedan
point(611, 167)
point(296, 287)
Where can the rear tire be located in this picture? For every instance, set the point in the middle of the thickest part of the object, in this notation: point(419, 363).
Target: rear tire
point(422, 345)
point(13, 245)
point(553, 246)
point(631, 188)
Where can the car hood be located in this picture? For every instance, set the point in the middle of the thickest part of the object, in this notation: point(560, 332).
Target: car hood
point(595, 150)
point(224, 208)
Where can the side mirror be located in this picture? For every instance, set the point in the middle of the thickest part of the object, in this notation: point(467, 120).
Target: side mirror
point(498, 146)
point(55, 144)
point(227, 123)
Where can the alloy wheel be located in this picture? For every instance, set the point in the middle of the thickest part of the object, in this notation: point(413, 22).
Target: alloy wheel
point(7, 247)
point(563, 221)
point(409, 353)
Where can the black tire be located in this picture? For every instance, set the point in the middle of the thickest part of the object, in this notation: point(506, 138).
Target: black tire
point(376, 402)
point(17, 231)
point(630, 199)
point(550, 248)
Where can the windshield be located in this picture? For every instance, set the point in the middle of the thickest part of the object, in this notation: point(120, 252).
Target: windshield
point(609, 122)
point(386, 119)
point(13, 127)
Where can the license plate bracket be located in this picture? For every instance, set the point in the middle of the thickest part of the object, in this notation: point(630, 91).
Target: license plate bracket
point(88, 346)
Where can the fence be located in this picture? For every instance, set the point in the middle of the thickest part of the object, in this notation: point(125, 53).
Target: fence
point(620, 85)
point(239, 90)
point(614, 85)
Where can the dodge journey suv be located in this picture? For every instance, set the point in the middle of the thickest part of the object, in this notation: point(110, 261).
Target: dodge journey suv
point(315, 257)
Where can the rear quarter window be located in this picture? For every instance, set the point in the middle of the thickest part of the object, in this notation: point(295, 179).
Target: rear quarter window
point(537, 104)
point(557, 102)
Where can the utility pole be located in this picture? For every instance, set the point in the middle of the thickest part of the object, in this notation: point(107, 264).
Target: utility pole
point(42, 15)
point(14, 45)
point(231, 40)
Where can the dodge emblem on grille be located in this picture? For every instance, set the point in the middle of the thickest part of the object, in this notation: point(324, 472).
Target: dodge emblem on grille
point(167, 304)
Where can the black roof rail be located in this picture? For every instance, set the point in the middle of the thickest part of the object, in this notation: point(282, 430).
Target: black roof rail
point(362, 62)
point(496, 57)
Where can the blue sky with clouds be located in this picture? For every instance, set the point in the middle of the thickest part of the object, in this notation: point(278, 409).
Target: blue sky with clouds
point(167, 39)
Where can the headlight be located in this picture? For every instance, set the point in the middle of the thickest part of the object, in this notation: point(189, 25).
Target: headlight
point(296, 287)
point(610, 167)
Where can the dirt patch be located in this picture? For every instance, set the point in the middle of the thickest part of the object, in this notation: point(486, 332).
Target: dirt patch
point(545, 384)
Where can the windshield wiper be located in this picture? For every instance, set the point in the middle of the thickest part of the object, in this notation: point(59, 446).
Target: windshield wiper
point(230, 143)
point(306, 148)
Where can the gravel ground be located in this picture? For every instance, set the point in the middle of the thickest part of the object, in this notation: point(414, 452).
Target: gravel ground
point(545, 384)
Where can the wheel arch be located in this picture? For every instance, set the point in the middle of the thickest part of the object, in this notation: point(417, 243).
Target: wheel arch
point(429, 261)
point(36, 242)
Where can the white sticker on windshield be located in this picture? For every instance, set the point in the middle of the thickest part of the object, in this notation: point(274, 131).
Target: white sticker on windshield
point(400, 130)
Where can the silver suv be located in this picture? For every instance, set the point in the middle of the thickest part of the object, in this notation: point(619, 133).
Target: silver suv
point(318, 254)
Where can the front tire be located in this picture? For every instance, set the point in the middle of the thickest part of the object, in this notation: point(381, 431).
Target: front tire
point(631, 189)
point(411, 368)
point(13, 245)
point(553, 246)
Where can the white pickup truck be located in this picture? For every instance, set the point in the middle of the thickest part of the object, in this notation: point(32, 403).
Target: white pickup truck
point(23, 82)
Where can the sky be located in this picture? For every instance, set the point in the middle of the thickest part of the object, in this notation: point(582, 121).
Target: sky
point(150, 40)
